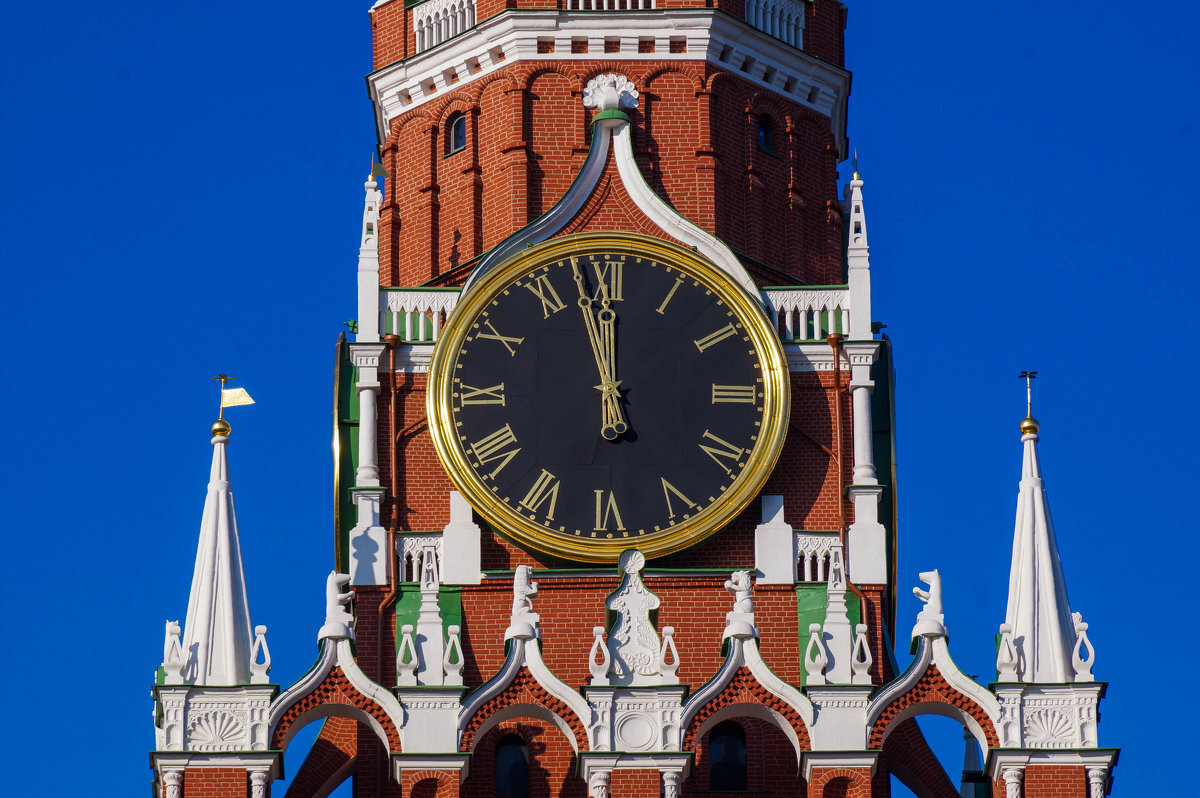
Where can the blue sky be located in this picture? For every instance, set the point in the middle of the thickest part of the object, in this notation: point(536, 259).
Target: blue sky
point(182, 195)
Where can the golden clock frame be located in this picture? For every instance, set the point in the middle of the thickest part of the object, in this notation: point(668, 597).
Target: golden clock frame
point(529, 535)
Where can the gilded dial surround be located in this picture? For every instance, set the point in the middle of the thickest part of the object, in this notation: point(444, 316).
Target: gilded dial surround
point(601, 392)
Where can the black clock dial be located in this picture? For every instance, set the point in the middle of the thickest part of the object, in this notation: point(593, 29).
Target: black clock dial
point(606, 395)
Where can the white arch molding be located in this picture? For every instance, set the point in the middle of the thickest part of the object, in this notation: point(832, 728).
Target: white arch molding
point(514, 711)
point(757, 711)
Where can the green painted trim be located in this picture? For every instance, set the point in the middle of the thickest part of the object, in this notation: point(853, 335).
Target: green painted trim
point(612, 113)
point(812, 599)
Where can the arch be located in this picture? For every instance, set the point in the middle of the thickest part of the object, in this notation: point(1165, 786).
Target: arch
point(745, 696)
point(683, 70)
point(932, 694)
point(334, 696)
point(524, 697)
point(455, 133)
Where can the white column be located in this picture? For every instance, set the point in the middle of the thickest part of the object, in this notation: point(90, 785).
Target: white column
point(173, 780)
point(430, 635)
point(1012, 782)
point(1097, 782)
point(864, 460)
point(598, 784)
point(368, 454)
point(258, 784)
point(670, 780)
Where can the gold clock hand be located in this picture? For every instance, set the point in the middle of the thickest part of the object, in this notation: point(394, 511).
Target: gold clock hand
point(614, 416)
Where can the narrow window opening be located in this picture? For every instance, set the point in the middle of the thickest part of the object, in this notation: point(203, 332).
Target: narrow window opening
point(456, 132)
point(727, 758)
point(766, 134)
point(512, 768)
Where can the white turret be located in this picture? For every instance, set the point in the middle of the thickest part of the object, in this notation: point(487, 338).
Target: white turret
point(217, 636)
point(1039, 634)
point(858, 265)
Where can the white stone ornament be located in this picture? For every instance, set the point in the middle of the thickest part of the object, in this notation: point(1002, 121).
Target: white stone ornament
point(599, 670)
point(670, 780)
point(407, 660)
point(633, 643)
point(815, 658)
point(452, 662)
point(1006, 656)
point(1081, 664)
point(1097, 782)
point(861, 658)
point(668, 657)
point(740, 622)
point(259, 670)
point(1012, 782)
point(337, 617)
point(931, 622)
point(523, 622)
point(598, 784)
point(173, 659)
point(610, 92)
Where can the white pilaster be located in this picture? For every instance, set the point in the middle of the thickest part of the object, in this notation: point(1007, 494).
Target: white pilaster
point(774, 545)
point(368, 266)
point(430, 635)
point(836, 631)
point(369, 559)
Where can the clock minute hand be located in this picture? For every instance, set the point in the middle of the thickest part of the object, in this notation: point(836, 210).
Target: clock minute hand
point(589, 321)
point(614, 417)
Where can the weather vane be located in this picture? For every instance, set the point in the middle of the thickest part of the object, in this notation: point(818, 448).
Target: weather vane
point(1029, 425)
point(230, 397)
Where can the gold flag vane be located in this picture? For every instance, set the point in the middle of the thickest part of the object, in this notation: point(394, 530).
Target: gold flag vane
point(230, 397)
point(1029, 425)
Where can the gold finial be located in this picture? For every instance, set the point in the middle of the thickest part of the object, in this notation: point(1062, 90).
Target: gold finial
point(854, 166)
point(1029, 425)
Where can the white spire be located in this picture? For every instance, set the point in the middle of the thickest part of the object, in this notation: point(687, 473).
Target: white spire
point(1039, 616)
point(217, 633)
point(858, 262)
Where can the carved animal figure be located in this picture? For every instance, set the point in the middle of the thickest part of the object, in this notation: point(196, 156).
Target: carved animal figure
point(933, 596)
point(336, 600)
point(523, 592)
point(739, 584)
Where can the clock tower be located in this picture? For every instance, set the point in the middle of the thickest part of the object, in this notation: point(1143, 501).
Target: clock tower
point(615, 485)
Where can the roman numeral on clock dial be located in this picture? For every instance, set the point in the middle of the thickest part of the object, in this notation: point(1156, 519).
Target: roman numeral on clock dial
point(543, 290)
point(495, 447)
point(483, 396)
point(610, 279)
point(545, 489)
point(715, 337)
point(607, 510)
point(721, 450)
point(668, 490)
point(725, 394)
point(504, 339)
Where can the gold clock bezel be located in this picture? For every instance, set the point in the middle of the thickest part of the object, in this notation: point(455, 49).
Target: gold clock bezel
point(689, 532)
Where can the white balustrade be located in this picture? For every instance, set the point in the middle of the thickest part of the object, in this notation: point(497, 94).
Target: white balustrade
point(809, 314)
point(782, 19)
point(412, 549)
point(610, 5)
point(800, 314)
point(812, 555)
point(435, 21)
point(416, 314)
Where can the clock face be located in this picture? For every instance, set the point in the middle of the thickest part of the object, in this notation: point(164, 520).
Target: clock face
point(601, 393)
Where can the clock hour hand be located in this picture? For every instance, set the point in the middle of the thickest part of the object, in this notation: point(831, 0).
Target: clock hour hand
point(600, 336)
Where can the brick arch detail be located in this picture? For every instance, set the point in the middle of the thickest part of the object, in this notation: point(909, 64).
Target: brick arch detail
point(932, 688)
point(336, 688)
point(524, 689)
point(683, 70)
point(744, 688)
point(763, 103)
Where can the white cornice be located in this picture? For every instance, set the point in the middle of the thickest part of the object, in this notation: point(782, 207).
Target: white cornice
point(818, 356)
point(511, 37)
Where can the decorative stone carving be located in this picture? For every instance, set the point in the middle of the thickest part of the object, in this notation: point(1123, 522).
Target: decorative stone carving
point(1012, 782)
point(1082, 665)
point(173, 781)
point(173, 659)
point(601, 705)
point(1006, 656)
point(259, 670)
point(931, 622)
point(337, 617)
point(815, 658)
point(598, 784)
point(861, 659)
point(668, 656)
point(216, 731)
point(599, 670)
point(740, 622)
point(258, 784)
point(1097, 782)
point(452, 662)
point(670, 780)
point(610, 92)
point(1048, 728)
point(633, 644)
point(407, 660)
point(523, 623)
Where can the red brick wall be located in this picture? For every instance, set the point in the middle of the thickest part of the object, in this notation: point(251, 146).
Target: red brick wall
point(771, 765)
point(216, 782)
point(552, 767)
point(696, 141)
point(840, 783)
point(1056, 781)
